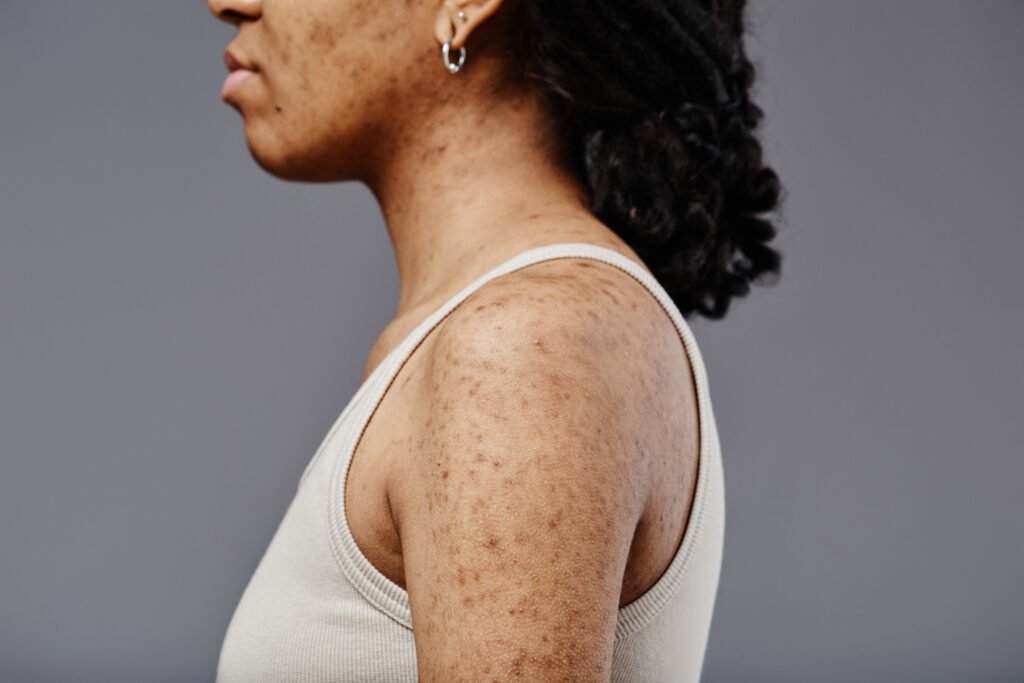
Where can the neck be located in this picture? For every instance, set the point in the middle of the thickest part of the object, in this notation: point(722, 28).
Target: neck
point(462, 187)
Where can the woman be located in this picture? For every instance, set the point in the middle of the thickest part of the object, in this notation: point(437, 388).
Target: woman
point(527, 483)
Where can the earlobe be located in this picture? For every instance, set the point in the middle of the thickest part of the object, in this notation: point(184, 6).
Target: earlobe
point(457, 18)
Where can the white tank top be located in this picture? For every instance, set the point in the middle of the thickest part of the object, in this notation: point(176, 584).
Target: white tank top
point(317, 611)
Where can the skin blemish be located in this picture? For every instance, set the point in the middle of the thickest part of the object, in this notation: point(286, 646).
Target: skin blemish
point(610, 294)
point(322, 34)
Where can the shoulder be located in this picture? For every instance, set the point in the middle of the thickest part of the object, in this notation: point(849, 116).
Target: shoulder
point(562, 336)
point(519, 504)
point(594, 306)
point(569, 339)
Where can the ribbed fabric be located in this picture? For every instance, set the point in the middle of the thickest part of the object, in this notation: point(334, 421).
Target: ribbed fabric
point(317, 611)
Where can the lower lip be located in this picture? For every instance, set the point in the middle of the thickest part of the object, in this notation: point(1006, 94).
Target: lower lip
point(234, 79)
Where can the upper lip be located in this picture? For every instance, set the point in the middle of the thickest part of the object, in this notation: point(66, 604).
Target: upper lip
point(235, 61)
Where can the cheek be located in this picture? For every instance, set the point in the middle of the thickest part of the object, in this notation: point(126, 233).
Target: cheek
point(318, 54)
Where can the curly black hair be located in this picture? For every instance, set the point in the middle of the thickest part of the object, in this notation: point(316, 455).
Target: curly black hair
point(651, 104)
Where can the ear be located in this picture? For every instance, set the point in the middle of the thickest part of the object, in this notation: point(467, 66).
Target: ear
point(448, 25)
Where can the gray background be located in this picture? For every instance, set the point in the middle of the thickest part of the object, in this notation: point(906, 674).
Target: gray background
point(179, 330)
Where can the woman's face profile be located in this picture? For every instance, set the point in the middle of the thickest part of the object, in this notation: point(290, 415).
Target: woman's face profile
point(337, 81)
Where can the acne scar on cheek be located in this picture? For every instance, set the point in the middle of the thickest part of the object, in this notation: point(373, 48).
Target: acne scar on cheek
point(322, 33)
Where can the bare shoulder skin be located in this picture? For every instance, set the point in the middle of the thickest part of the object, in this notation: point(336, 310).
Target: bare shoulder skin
point(531, 469)
point(535, 453)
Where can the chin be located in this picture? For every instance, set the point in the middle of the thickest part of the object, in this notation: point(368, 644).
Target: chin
point(313, 162)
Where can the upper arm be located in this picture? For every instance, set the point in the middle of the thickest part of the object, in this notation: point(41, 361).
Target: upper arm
point(518, 510)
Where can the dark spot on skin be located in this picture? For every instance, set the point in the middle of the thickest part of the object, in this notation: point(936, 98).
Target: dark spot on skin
point(504, 549)
point(322, 33)
point(610, 294)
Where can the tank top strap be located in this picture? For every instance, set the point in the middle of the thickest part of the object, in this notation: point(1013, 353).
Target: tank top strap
point(391, 598)
point(548, 252)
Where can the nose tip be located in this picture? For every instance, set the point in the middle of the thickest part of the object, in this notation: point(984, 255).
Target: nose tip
point(235, 11)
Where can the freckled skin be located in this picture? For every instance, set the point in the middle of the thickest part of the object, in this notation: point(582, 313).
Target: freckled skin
point(586, 471)
point(466, 174)
point(346, 76)
point(326, 74)
point(531, 467)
